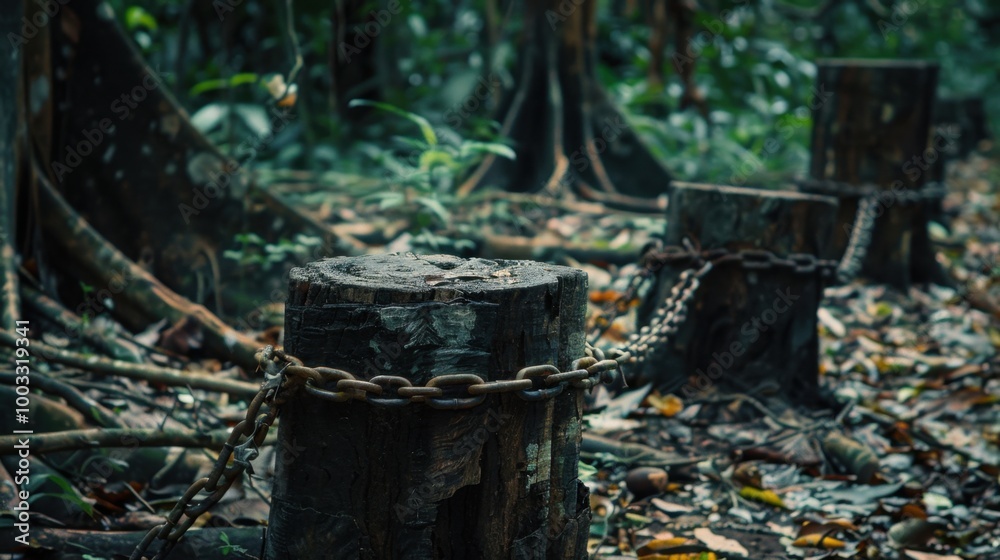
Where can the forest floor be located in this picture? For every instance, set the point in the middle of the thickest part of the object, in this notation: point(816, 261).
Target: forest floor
point(901, 461)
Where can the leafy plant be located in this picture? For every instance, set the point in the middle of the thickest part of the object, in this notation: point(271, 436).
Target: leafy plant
point(255, 251)
point(69, 492)
point(422, 175)
point(227, 547)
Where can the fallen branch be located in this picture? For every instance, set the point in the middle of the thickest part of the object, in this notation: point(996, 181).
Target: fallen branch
point(73, 325)
point(83, 404)
point(632, 454)
point(151, 374)
point(203, 544)
point(147, 297)
point(101, 438)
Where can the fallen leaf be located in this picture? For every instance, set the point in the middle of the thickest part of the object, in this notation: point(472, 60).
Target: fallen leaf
point(914, 555)
point(719, 543)
point(765, 496)
point(668, 406)
point(817, 540)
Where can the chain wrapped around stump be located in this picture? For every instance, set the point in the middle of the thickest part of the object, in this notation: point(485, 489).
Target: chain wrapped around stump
point(284, 373)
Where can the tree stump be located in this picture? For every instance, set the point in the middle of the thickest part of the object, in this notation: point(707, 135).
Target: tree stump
point(872, 130)
point(745, 327)
point(497, 480)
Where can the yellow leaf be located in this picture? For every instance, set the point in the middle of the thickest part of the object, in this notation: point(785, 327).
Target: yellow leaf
point(658, 545)
point(765, 496)
point(816, 540)
point(668, 406)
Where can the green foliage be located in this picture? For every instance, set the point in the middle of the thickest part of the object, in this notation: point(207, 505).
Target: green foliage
point(235, 80)
point(753, 61)
point(254, 251)
point(422, 175)
point(69, 493)
point(227, 547)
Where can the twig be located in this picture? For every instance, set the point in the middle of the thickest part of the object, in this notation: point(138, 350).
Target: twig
point(295, 48)
point(152, 374)
point(634, 453)
point(918, 433)
point(100, 438)
point(90, 408)
point(71, 323)
point(758, 405)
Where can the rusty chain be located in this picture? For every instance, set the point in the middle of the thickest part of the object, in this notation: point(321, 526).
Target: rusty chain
point(672, 312)
point(242, 447)
point(645, 272)
point(861, 237)
point(283, 373)
point(927, 192)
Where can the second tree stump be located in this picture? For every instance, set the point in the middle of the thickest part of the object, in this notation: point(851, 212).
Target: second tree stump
point(746, 327)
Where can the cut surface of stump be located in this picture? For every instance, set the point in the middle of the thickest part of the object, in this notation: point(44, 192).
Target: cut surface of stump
point(745, 329)
point(497, 480)
point(872, 128)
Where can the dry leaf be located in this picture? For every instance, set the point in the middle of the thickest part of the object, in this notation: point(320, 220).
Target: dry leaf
point(816, 540)
point(765, 496)
point(668, 406)
point(719, 543)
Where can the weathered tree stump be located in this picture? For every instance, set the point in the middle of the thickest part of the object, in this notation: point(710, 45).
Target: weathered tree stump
point(497, 480)
point(745, 328)
point(871, 131)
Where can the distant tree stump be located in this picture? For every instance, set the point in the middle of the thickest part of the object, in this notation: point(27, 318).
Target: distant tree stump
point(745, 328)
point(872, 130)
point(498, 480)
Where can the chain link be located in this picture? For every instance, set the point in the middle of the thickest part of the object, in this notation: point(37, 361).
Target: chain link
point(283, 373)
point(927, 192)
point(668, 316)
point(672, 312)
point(242, 447)
point(861, 237)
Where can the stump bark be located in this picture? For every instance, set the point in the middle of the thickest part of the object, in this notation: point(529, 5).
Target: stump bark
point(745, 329)
point(498, 480)
point(872, 128)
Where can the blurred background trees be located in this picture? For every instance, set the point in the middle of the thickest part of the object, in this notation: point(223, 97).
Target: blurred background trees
point(749, 70)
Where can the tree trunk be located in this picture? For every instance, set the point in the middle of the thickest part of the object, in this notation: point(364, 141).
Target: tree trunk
point(872, 129)
point(497, 480)
point(565, 131)
point(105, 130)
point(745, 328)
point(10, 122)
